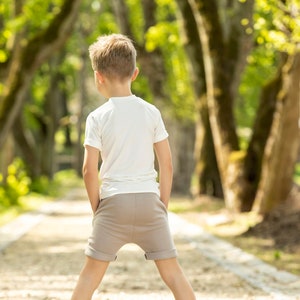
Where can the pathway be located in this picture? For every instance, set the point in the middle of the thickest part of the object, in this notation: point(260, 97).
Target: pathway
point(42, 254)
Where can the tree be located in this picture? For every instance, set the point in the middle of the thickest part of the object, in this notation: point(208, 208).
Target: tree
point(31, 41)
point(207, 172)
point(224, 44)
point(225, 33)
point(282, 146)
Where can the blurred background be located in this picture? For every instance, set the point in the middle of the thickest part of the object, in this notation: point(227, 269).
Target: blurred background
point(224, 73)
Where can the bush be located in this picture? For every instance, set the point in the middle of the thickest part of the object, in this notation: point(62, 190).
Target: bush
point(41, 185)
point(15, 185)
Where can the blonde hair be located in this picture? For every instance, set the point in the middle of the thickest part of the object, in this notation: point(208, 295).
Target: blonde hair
point(114, 56)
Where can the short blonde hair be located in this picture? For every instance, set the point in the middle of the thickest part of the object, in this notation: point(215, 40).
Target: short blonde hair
point(114, 56)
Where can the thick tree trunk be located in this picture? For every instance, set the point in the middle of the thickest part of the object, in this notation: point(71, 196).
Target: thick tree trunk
point(225, 47)
point(252, 163)
point(208, 175)
point(206, 169)
point(282, 145)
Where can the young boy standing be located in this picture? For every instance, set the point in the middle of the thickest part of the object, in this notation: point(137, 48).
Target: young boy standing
point(131, 207)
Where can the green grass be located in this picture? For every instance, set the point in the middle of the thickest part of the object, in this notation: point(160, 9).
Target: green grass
point(62, 182)
point(185, 205)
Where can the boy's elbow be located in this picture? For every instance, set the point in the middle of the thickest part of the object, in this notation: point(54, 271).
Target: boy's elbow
point(88, 172)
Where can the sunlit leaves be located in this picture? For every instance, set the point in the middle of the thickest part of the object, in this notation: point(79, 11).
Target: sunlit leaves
point(159, 35)
point(34, 16)
point(38, 13)
point(261, 67)
point(277, 24)
point(136, 18)
point(276, 29)
point(165, 36)
point(15, 185)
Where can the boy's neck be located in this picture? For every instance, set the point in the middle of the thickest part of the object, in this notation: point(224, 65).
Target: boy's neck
point(118, 89)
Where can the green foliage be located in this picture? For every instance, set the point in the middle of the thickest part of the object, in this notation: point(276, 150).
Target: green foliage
point(27, 19)
point(297, 173)
point(165, 36)
point(277, 24)
point(277, 254)
point(276, 29)
point(15, 185)
point(260, 69)
point(136, 19)
point(41, 185)
point(62, 181)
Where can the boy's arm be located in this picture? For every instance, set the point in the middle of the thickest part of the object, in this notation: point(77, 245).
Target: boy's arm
point(164, 157)
point(90, 175)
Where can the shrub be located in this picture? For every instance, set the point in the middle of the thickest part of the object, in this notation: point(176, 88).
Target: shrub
point(15, 185)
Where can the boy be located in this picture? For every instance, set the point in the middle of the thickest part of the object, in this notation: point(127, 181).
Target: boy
point(131, 208)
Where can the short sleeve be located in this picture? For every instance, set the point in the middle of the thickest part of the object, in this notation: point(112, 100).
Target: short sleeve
point(160, 133)
point(92, 133)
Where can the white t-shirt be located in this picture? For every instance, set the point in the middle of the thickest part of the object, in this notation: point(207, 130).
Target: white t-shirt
point(124, 130)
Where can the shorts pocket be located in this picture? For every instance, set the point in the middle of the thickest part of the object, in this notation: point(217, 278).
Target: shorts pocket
point(162, 205)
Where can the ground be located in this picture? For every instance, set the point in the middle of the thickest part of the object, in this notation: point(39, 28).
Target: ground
point(44, 263)
point(274, 238)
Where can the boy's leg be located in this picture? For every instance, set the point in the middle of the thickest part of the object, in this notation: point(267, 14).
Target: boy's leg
point(89, 279)
point(173, 276)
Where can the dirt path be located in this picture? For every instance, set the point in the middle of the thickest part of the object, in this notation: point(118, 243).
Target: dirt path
point(44, 263)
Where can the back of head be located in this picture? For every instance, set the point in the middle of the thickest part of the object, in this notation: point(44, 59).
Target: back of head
point(114, 56)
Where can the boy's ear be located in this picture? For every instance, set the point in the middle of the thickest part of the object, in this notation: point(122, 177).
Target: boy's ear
point(135, 74)
point(99, 76)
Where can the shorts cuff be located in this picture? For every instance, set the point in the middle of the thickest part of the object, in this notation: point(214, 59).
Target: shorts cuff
point(161, 255)
point(99, 256)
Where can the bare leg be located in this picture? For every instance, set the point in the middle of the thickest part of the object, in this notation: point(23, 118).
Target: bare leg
point(173, 276)
point(89, 279)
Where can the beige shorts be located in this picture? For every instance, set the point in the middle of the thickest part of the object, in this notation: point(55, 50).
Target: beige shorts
point(139, 218)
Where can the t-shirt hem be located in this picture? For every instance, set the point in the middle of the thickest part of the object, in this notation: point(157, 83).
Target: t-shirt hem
point(118, 192)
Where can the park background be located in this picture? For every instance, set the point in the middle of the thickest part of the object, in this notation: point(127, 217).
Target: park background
point(225, 75)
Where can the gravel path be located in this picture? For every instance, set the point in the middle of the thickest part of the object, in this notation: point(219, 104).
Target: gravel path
point(42, 254)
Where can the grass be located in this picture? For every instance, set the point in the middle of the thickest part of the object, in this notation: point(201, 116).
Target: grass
point(183, 204)
point(62, 182)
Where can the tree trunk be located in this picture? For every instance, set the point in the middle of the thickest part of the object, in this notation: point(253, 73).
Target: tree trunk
point(54, 108)
point(225, 47)
point(252, 163)
point(27, 148)
point(208, 175)
point(206, 170)
point(282, 145)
